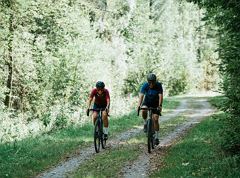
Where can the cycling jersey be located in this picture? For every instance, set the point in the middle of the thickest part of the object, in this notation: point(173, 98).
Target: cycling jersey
point(100, 100)
point(151, 98)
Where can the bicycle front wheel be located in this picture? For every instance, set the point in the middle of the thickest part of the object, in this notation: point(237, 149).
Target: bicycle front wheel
point(150, 140)
point(97, 137)
point(103, 141)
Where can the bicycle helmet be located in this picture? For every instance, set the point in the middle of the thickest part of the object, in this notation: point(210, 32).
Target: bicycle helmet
point(151, 77)
point(100, 84)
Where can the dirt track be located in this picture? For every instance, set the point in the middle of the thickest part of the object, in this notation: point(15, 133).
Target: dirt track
point(144, 164)
point(141, 166)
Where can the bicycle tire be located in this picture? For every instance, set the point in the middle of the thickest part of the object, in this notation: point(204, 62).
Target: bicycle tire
point(103, 141)
point(97, 137)
point(150, 140)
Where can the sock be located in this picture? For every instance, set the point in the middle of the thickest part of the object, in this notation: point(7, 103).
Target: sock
point(157, 134)
point(105, 130)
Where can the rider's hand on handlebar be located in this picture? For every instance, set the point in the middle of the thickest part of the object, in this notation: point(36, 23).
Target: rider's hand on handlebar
point(138, 108)
point(87, 112)
point(107, 110)
point(159, 108)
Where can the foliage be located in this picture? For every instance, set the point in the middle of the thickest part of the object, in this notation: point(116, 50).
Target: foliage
point(199, 154)
point(52, 54)
point(166, 48)
point(47, 149)
point(226, 15)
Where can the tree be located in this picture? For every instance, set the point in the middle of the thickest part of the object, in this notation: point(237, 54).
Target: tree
point(226, 16)
point(10, 6)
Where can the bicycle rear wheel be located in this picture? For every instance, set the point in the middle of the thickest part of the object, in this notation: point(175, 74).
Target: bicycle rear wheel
point(97, 137)
point(150, 139)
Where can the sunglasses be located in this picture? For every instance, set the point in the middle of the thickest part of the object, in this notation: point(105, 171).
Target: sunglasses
point(151, 82)
point(99, 89)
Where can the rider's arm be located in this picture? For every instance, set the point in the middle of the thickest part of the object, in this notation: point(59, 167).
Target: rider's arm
point(107, 99)
point(160, 99)
point(89, 102)
point(108, 103)
point(92, 94)
point(141, 95)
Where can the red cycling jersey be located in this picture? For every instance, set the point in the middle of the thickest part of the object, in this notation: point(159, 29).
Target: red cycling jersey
point(100, 99)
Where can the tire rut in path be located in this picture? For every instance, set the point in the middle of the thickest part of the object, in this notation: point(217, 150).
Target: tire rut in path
point(64, 168)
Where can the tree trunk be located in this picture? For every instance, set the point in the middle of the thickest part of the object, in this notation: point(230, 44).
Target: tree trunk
point(9, 63)
point(150, 9)
point(199, 50)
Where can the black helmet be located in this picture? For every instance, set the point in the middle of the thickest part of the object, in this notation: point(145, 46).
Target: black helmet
point(151, 77)
point(100, 84)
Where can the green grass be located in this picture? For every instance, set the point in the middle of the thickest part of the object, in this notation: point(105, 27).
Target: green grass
point(170, 125)
point(199, 154)
point(28, 157)
point(170, 104)
point(31, 156)
point(108, 163)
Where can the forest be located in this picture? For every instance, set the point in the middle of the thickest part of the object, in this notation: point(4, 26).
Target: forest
point(52, 53)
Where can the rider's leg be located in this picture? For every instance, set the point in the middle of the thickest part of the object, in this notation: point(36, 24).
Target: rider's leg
point(156, 125)
point(144, 113)
point(94, 117)
point(105, 122)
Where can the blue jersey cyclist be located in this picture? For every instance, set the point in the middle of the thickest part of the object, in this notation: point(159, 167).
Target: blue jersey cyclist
point(151, 95)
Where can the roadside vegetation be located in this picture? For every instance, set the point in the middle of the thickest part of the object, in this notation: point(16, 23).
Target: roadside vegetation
point(51, 56)
point(108, 163)
point(30, 156)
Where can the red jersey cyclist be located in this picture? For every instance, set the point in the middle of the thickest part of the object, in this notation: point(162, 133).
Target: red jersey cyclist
point(101, 101)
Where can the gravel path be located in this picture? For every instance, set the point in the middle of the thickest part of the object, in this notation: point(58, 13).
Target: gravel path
point(140, 166)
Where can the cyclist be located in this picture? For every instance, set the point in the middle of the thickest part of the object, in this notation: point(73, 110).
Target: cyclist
point(151, 95)
point(101, 101)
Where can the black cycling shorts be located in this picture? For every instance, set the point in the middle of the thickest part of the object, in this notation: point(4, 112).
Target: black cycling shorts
point(148, 104)
point(95, 106)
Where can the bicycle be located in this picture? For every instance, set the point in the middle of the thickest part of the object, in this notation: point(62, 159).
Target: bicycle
point(98, 131)
point(150, 128)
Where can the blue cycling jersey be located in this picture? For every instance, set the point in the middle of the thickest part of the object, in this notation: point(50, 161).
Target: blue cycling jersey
point(151, 94)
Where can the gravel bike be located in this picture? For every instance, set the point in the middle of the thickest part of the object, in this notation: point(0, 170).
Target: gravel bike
point(98, 134)
point(150, 128)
